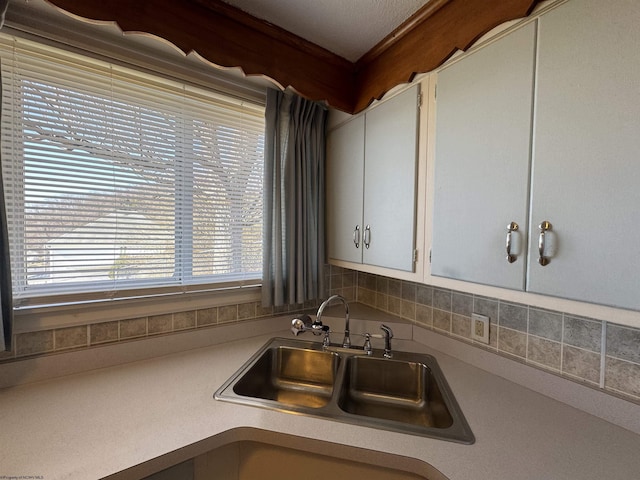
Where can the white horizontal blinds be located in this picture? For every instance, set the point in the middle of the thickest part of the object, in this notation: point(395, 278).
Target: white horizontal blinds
point(227, 191)
point(145, 139)
point(121, 181)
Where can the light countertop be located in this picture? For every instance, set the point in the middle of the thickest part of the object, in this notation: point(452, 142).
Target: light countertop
point(94, 424)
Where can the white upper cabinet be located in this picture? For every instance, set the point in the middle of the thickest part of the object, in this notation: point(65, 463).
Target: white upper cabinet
point(586, 164)
point(482, 145)
point(371, 185)
point(345, 187)
point(542, 127)
point(391, 150)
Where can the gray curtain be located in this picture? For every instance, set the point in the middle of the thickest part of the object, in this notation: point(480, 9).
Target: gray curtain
point(294, 247)
point(3, 9)
point(6, 304)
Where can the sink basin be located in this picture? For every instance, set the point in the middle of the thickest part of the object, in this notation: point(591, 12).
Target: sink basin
point(400, 391)
point(291, 376)
point(406, 394)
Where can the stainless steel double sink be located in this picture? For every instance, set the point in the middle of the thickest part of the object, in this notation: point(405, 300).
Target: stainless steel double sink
point(406, 394)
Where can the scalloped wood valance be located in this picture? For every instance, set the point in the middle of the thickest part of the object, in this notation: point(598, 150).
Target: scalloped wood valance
point(228, 37)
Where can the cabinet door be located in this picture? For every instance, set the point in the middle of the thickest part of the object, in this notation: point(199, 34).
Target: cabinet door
point(345, 169)
point(483, 132)
point(586, 165)
point(390, 181)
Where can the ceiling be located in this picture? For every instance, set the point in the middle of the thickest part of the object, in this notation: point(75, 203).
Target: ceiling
point(348, 28)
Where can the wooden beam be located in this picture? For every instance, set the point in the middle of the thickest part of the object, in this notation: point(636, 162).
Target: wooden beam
point(427, 40)
point(228, 37)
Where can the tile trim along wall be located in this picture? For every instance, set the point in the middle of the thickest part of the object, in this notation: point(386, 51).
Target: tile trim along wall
point(595, 353)
point(66, 339)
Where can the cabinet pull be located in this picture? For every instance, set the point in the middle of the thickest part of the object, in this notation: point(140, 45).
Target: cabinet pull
point(356, 236)
point(512, 227)
point(545, 226)
point(367, 236)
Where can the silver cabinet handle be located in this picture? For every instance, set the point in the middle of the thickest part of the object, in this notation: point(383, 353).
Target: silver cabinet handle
point(356, 236)
point(512, 227)
point(545, 226)
point(367, 236)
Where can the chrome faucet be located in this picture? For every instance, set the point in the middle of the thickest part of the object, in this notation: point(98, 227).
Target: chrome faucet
point(346, 343)
point(388, 335)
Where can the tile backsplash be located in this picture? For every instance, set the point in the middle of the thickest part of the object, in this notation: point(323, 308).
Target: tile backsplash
point(44, 342)
point(599, 354)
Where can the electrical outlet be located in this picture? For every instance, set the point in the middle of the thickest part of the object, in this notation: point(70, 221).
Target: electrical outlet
point(480, 328)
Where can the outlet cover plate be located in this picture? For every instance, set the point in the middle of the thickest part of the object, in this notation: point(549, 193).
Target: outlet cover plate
point(480, 328)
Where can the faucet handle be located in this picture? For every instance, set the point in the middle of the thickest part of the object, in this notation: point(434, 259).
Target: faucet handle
point(367, 344)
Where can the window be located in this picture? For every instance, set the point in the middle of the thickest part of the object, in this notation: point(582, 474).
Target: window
point(116, 180)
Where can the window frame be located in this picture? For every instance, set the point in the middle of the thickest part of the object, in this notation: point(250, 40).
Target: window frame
point(163, 298)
